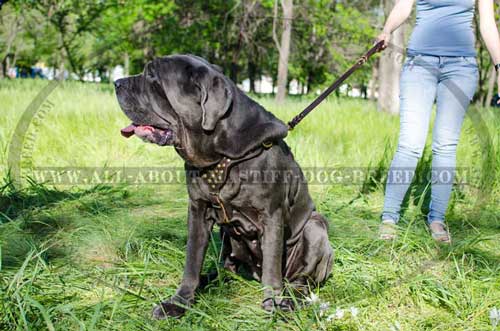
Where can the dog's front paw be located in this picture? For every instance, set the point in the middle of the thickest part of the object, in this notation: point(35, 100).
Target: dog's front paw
point(169, 308)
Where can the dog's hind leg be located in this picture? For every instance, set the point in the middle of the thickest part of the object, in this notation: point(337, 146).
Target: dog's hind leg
point(318, 253)
point(310, 259)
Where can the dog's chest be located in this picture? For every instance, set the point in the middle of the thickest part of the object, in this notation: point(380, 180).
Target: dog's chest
point(241, 227)
point(230, 206)
point(232, 211)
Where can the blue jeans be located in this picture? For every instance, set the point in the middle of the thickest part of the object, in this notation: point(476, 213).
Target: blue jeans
point(451, 82)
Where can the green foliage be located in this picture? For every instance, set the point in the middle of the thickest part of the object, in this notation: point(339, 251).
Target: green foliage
point(93, 36)
point(329, 38)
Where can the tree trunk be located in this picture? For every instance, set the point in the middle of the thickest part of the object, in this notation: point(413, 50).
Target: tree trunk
point(251, 75)
point(284, 50)
point(309, 82)
point(126, 65)
point(14, 59)
point(233, 72)
point(372, 84)
point(364, 91)
point(61, 74)
point(389, 69)
point(13, 29)
point(6, 65)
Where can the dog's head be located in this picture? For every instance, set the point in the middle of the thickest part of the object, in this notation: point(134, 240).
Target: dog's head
point(184, 101)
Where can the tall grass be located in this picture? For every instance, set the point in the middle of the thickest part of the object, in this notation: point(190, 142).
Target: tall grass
point(99, 257)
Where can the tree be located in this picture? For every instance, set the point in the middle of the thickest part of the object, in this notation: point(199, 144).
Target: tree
point(247, 38)
point(12, 23)
point(283, 46)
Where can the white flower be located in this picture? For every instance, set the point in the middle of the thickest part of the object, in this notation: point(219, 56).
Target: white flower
point(354, 311)
point(323, 307)
point(312, 299)
point(339, 313)
point(494, 316)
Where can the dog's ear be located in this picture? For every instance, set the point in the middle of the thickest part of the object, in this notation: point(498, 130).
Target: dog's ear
point(216, 98)
point(248, 127)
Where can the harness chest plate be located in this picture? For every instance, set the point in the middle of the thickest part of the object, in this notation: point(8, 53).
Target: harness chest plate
point(215, 178)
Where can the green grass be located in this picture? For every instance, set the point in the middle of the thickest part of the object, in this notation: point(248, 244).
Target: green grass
point(99, 257)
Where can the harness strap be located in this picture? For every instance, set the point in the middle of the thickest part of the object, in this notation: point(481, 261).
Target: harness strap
point(221, 205)
point(216, 176)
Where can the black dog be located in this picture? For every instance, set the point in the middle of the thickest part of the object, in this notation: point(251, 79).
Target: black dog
point(270, 227)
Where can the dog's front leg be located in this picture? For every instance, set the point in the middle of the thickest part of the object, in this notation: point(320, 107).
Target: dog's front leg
point(272, 259)
point(199, 230)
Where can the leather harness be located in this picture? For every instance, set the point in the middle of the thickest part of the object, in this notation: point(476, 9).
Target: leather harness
point(216, 177)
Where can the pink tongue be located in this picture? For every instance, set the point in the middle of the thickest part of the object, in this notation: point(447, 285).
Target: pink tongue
point(128, 131)
point(132, 129)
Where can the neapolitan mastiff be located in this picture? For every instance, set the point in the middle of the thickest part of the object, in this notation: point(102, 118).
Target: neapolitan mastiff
point(269, 227)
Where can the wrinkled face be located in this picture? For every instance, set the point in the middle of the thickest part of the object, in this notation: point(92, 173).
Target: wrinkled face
point(174, 94)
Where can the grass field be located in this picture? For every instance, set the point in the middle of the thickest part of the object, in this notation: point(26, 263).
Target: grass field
point(98, 257)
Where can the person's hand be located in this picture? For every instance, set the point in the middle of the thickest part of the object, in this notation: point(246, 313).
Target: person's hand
point(385, 36)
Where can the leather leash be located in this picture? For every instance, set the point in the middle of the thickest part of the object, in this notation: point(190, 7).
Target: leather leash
point(379, 46)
